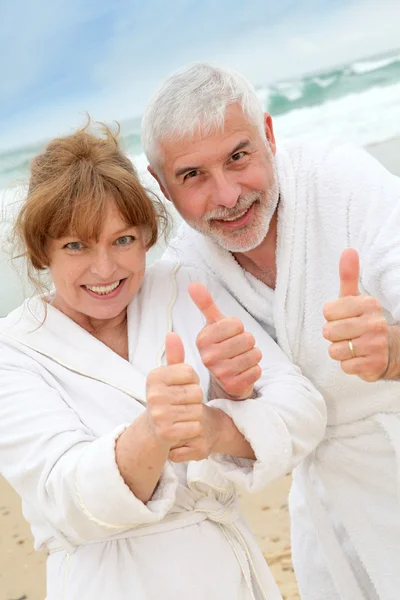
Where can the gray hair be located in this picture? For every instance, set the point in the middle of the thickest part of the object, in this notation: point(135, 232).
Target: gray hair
point(195, 99)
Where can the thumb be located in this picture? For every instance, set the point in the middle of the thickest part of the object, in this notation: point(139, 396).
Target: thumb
point(204, 302)
point(349, 272)
point(174, 350)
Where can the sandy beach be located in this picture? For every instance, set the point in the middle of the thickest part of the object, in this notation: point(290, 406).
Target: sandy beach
point(22, 570)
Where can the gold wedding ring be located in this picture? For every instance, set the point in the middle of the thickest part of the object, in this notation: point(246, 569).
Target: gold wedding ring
point(353, 354)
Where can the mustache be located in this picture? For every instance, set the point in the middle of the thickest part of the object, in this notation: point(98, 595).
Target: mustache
point(242, 205)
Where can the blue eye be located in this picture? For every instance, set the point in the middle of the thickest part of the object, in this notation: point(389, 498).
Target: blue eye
point(125, 240)
point(74, 246)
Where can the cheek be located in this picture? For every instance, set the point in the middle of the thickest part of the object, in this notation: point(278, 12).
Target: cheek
point(66, 275)
point(191, 204)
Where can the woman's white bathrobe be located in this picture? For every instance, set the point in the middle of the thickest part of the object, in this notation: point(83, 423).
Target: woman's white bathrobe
point(64, 399)
point(345, 501)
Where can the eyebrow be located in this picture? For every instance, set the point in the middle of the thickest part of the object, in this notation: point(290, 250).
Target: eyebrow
point(127, 228)
point(239, 146)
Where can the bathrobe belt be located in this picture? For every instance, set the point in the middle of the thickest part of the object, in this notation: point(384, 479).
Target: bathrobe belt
point(225, 514)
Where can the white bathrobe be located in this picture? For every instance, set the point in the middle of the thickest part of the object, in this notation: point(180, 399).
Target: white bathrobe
point(345, 500)
point(65, 398)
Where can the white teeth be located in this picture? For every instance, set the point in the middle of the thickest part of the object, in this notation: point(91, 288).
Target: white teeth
point(103, 289)
point(237, 216)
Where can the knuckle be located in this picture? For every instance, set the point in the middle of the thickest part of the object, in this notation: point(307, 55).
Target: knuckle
point(208, 359)
point(249, 339)
point(237, 324)
point(257, 355)
point(333, 352)
point(327, 332)
point(381, 343)
point(152, 397)
point(327, 311)
point(371, 304)
point(202, 339)
point(257, 373)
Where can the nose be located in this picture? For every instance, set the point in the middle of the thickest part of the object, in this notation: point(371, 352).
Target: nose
point(103, 264)
point(226, 190)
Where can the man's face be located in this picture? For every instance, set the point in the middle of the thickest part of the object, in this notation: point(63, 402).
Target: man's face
point(224, 184)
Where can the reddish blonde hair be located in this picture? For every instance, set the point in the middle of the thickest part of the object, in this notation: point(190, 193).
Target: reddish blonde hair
point(72, 182)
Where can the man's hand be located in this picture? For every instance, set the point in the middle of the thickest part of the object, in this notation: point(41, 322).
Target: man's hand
point(226, 349)
point(356, 326)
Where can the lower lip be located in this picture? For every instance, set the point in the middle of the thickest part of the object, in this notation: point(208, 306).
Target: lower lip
point(242, 222)
point(109, 296)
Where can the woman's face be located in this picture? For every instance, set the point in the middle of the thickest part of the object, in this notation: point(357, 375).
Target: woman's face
point(98, 280)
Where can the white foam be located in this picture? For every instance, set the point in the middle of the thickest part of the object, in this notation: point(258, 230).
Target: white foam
point(363, 118)
point(366, 66)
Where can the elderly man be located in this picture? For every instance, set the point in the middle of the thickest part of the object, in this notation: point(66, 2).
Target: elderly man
point(273, 222)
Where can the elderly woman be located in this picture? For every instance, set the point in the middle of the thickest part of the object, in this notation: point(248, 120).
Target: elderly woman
point(128, 410)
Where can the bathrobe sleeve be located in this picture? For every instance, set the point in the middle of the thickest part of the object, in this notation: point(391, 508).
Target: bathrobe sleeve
point(283, 424)
point(370, 196)
point(59, 467)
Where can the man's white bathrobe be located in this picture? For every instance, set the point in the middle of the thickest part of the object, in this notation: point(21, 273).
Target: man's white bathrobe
point(65, 398)
point(345, 501)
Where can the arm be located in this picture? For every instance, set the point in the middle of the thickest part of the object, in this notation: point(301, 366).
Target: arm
point(62, 470)
point(368, 309)
point(282, 424)
point(59, 467)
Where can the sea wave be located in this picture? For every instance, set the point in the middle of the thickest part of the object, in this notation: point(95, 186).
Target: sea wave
point(363, 118)
point(367, 66)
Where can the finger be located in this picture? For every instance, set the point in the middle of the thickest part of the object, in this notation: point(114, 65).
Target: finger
point(215, 333)
point(349, 272)
point(185, 430)
point(186, 394)
point(185, 454)
point(186, 412)
point(171, 375)
point(351, 306)
point(344, 308)
point(204, 302)
point(237, 365)
point(349, 329)
point(366, 368)
point(341, 350)
point(174, 350)
point(227, 349)
point(240, 387)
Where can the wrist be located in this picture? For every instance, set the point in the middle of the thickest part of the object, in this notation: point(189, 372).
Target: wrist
point(220, 426)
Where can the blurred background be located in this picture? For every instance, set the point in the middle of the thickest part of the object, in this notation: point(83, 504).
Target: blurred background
point(322, 68)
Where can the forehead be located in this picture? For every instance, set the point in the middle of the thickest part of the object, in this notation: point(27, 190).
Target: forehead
point(201, 149)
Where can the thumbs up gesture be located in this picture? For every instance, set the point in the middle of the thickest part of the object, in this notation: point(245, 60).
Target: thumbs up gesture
point(356, 326)
point(226, 349)
point(174, 398)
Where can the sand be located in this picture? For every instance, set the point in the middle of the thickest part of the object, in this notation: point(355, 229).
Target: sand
point(22, 570)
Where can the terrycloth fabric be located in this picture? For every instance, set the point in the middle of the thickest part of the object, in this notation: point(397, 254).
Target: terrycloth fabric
point(65, 398)
point(345, 497)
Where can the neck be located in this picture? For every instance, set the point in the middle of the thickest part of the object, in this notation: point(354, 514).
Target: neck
point(261, 261)
point(94, 326)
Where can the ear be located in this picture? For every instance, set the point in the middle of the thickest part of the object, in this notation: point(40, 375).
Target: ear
point(159, 181)
point(269, 132)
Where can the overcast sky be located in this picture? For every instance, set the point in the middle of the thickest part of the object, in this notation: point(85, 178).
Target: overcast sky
point(60, 58)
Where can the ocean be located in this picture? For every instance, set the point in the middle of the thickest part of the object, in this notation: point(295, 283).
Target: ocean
point(359, 102)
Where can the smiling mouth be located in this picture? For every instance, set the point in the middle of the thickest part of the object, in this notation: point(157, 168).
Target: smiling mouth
point(236, 217)
point(104, 290)
point(239, 220)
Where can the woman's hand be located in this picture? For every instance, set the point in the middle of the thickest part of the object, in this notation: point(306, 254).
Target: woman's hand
point(174, 398)
point(226, 349)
